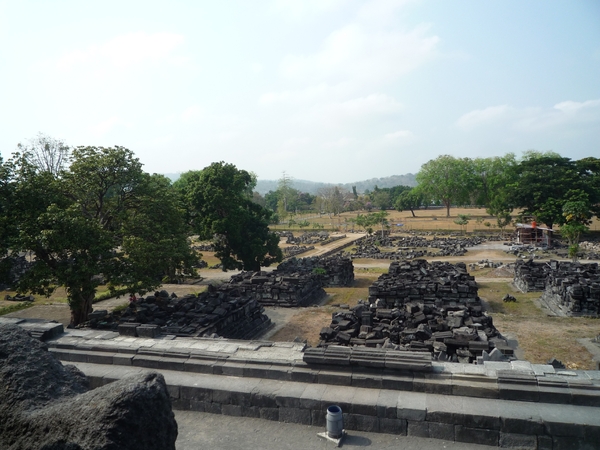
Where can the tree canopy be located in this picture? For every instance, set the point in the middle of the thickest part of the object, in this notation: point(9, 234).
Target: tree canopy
point(219, 201)
point(538, 184)
point(101, 220)
point(446, 179)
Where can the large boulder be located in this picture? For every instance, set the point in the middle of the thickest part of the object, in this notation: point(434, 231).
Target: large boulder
point(45, 405)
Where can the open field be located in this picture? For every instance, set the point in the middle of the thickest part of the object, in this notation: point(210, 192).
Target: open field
point(431, 219)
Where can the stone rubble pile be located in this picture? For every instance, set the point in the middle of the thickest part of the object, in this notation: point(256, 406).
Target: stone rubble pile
point(332, 239)
point(310, 237)
point(15, 267)
point(233, 310)
point(485, 264)
point(334, 271)
point(296, 281)
point(19, 298)
point(227, 313)
point(206, 247)
point(294, 250)
point(573, 288)
point(412, 247)
point(423, 307)
point(531, 276)
point(278, 288)
point(591, 249)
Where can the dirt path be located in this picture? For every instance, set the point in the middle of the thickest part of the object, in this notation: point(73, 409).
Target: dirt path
point(321, 249)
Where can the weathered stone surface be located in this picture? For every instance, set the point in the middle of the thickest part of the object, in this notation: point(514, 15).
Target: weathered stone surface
point(44, 404)
point(224, 311)
point(277, 288)
point(333, 271)
point(411, 247)
point(568, 288)
point(420, 307)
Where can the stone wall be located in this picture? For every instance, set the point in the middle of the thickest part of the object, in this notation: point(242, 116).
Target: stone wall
point(229, 313)
point(334, 271)
point(411, 247)
point(277, 288)
point(568, 288)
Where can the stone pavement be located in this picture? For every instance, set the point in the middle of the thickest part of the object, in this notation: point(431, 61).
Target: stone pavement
point(217, 432)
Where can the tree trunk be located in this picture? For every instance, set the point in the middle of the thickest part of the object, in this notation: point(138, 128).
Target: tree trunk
point(448, 209)
point(413, 212)
point(80, 302)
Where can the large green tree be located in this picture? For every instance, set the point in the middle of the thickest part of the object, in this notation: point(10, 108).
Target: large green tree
point(410, 199)
point(490, 175)
point(588, 170)
point(447, 179)
point(219, 199)
point(101, 220)
point(542, 181)
point(576, 213)
point(7, 225)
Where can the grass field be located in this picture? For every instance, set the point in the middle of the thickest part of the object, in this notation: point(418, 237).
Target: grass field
point(431, 219)
point(540, 336)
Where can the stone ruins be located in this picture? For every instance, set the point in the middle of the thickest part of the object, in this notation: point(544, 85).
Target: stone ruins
point(568, 288)
point(422, 307)
point(235, 309)
point(411, 247)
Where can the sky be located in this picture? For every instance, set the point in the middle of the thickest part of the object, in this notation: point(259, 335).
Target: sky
point(323, 90)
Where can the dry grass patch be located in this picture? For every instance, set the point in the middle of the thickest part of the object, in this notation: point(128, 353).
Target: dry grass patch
point(210, 258)
point(541, 337)
point(307, 323)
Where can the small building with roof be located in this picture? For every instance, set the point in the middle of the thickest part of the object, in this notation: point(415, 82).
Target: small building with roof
point(532, 234)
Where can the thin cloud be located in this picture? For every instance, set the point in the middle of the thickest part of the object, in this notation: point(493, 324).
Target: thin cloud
point(298, 10)
point(365, 55)
point(105, 126)
point(482, 116)
point(122, 52)
point(532, 119)
point(399, 135)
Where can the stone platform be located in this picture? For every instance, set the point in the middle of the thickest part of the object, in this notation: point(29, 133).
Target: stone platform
point(510, 405)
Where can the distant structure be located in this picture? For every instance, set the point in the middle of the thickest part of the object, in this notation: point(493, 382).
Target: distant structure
point(531, 234)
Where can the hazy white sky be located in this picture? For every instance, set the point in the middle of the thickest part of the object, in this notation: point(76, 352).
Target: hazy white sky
point(325, 90)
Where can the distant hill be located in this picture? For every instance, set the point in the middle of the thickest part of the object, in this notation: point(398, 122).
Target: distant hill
point(312, 187)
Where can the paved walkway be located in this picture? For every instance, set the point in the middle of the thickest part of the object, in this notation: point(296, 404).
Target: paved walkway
point(217, 432)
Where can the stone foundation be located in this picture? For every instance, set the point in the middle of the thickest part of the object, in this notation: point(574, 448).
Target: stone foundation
point(568, 288)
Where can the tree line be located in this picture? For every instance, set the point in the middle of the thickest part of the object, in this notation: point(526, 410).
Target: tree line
point(539, 185)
